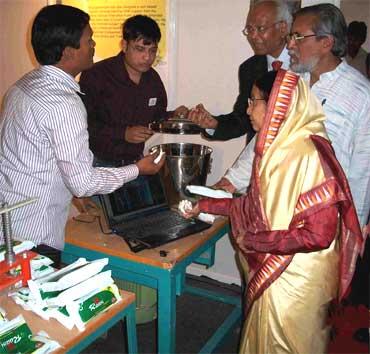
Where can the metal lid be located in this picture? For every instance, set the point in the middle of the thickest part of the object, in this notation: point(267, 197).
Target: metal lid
point(175, 126)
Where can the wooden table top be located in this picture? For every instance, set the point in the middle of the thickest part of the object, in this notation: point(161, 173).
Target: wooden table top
point(89, 235)
point(56, 331)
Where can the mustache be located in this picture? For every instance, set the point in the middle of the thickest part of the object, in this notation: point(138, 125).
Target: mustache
point(292, 52)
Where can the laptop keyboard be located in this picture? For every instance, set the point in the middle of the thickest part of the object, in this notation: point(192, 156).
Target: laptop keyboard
point(167, 220)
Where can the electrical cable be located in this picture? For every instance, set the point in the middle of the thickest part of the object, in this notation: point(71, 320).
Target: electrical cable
point(94, 218)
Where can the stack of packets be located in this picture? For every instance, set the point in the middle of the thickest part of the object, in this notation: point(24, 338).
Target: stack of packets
point(72, 295)
point(16, 337)
point(40, 265)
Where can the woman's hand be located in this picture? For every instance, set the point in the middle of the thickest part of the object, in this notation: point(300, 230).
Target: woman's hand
point(188, 210)
point(225, 185)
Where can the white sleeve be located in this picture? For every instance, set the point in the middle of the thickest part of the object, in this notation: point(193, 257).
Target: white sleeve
point(359, 169)
point(66, 128)
point(239, 174)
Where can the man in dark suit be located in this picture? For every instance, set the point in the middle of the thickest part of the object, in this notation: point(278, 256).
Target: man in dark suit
point(267, 25)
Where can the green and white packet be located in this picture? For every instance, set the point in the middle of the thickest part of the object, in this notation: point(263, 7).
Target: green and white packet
point(24, 298)
point(94, 302)
point(41, 271)
point(76, 276)
point(16, 337)
point(30, 305)
point(88, 307)
point(98, 281)
point(35, 284)
point(41, 260)
point(41, 266)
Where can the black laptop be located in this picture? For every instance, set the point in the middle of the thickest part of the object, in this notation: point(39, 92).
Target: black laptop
point(139, 212)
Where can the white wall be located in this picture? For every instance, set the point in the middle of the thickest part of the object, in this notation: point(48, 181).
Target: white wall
point(16, 57)
point(210, 49)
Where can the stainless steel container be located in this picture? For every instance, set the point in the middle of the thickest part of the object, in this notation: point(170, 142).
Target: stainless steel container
point(185, 164)
point(175, 126)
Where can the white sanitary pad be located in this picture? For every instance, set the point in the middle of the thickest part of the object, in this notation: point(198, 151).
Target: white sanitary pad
point(209, 192)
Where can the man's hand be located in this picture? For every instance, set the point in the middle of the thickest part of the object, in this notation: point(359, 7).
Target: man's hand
point(137, 134)
point(147, 166)
point(181, 112)
point(225, 185)
point(84, 205)
point(202, 117)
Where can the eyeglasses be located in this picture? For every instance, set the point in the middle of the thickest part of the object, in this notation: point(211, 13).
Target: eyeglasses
point(248, 30)
point(296, 37)
point(252, 100)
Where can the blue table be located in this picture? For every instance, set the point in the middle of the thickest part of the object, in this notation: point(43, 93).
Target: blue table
point(74, 341)
point(148, 268)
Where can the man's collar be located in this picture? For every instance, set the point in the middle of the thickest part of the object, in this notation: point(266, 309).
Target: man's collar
point(327, 75)
point(59, 74)
point(283, 57)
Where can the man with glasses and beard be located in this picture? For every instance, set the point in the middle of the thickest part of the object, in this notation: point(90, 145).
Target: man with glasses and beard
point(316, 44)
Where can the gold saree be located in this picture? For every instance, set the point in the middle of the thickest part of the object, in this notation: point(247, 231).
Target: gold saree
point(295, 178)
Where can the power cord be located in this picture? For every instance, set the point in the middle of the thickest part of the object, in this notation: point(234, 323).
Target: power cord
point(80, 218)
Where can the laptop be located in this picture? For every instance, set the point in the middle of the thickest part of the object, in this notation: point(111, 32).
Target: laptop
point(139, 212)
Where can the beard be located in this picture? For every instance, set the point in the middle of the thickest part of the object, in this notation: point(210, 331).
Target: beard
point(300, 67)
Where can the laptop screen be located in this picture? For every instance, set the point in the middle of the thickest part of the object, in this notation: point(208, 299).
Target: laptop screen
point(141, 196)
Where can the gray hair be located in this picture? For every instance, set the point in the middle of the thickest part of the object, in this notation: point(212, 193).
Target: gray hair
point(329, 21)
point(283, 10)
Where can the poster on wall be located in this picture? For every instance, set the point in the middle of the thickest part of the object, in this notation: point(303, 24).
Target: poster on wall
point(107, 17)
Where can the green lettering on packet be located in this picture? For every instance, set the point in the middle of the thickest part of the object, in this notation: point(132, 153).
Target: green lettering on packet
point(96, 304)
point(17, 340)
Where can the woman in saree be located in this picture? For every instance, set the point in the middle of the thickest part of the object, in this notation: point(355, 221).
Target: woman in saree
point(296, 228)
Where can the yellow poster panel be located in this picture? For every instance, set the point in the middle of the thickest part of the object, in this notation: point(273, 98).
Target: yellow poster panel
point(107, 17)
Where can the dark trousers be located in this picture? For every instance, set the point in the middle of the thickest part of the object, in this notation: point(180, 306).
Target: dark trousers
point(50, 252)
